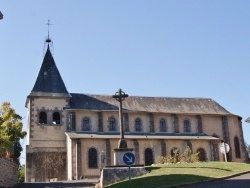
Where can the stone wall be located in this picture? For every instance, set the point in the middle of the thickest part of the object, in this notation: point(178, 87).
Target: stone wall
point(8, 172)
point(44, 166)
point(114, 174)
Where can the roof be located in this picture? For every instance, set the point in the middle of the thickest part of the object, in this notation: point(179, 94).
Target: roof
point(170, 136)
point(49, 81)
point(147, 104)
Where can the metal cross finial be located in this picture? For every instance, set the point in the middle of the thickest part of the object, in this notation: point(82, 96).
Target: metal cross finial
point(48, 26)
point(48, 40)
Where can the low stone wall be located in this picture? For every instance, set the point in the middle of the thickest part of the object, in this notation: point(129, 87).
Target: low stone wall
point(8, 172)
point(114, 174)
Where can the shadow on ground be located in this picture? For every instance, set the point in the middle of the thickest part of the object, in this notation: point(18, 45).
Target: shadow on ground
point(150, 168)
point(160, 181)
point(56, 184)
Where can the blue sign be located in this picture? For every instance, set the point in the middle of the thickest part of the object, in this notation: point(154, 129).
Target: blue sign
point(129, 158)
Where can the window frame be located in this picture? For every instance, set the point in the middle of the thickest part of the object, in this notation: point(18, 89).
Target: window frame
point(43, 120)
point(57, 120)
point(138, 124)
point(92, 158)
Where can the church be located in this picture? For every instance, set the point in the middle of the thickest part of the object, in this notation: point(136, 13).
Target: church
point(73, 135)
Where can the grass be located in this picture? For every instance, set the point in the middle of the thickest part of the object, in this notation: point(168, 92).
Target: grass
point(167, 175)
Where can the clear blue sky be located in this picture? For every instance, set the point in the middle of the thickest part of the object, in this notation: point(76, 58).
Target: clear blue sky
point(148, 48)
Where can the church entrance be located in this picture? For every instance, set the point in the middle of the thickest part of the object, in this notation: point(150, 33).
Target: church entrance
point(148, 155)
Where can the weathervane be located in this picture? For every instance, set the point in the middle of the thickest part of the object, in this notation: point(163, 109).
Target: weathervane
point(48, 40)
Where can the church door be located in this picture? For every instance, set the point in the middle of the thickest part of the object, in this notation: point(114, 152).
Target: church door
point(148, 155)
point(202, 154)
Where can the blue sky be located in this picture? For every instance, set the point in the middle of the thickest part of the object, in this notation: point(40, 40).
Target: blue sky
point(146, 47)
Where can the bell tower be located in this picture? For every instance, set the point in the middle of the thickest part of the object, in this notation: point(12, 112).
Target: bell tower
point(46, 140)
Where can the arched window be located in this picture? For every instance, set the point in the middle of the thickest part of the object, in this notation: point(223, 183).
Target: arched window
point(202, 154)
point(112, 124)
point(42, 118)
point(92, 156)
point(86, 124)
point(237, 147)
point(56, 118)
point(186, 126)
point(163, 126)
point(138, 125)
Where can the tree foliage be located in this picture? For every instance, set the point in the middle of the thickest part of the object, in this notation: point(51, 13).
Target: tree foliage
point(10, 131)
point(21, 174)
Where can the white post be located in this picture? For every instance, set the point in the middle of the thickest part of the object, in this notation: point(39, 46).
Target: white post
point(225, 154)
point(76, 163)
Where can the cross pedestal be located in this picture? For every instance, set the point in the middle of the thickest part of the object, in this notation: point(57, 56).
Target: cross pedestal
point(118, 155)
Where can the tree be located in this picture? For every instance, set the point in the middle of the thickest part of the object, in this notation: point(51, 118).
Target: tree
point(10, 131)
point(21, 174)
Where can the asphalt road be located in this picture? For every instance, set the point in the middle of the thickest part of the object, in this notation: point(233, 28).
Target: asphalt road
point(63, 184)
point(242, 181)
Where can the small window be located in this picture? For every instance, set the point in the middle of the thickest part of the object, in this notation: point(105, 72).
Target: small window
point(112, 124)
point(56, 118)
point(42, 118)
point(186, 126)
point(138, 125)
point(92, 156)
point(163, 126)
point(86, 124)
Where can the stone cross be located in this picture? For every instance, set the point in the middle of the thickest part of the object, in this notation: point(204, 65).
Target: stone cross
point(120, 96)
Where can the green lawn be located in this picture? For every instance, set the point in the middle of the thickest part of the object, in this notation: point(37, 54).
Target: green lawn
point(164, 175)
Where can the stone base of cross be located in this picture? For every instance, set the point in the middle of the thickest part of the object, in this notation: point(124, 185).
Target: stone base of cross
point(122, 144)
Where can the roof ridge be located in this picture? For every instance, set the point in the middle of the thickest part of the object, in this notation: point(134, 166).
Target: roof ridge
point(138, 96)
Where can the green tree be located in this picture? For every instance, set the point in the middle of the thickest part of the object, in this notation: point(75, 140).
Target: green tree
point(10, 131)
point(21, 174)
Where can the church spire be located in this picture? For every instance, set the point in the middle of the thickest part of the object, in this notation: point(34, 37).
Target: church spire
point(49, 81)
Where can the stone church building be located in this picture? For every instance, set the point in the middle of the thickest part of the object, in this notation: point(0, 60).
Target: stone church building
point(73, 135)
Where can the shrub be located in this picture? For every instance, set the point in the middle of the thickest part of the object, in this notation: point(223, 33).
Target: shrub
point(186, 157)
point(21, 174)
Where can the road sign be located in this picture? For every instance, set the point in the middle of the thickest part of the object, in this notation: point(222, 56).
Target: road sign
point(224, 148)
point(129, 158)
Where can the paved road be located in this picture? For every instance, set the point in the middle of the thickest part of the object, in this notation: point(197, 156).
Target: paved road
point(63, 184)
point(242, 181)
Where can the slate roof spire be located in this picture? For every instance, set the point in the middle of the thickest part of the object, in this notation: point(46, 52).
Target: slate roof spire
point(49, 81)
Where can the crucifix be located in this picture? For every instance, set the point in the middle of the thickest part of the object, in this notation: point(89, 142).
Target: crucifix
point(120, 96)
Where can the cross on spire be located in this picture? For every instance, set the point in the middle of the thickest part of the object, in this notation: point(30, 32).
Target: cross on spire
point(48, 40)
point(48, 26)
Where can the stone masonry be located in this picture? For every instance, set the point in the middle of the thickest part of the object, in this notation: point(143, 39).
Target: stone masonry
point(8, 172)
point(114, 174)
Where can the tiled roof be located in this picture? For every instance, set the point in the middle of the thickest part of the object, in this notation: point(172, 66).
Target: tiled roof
point(148, 104)
point(49, 80)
